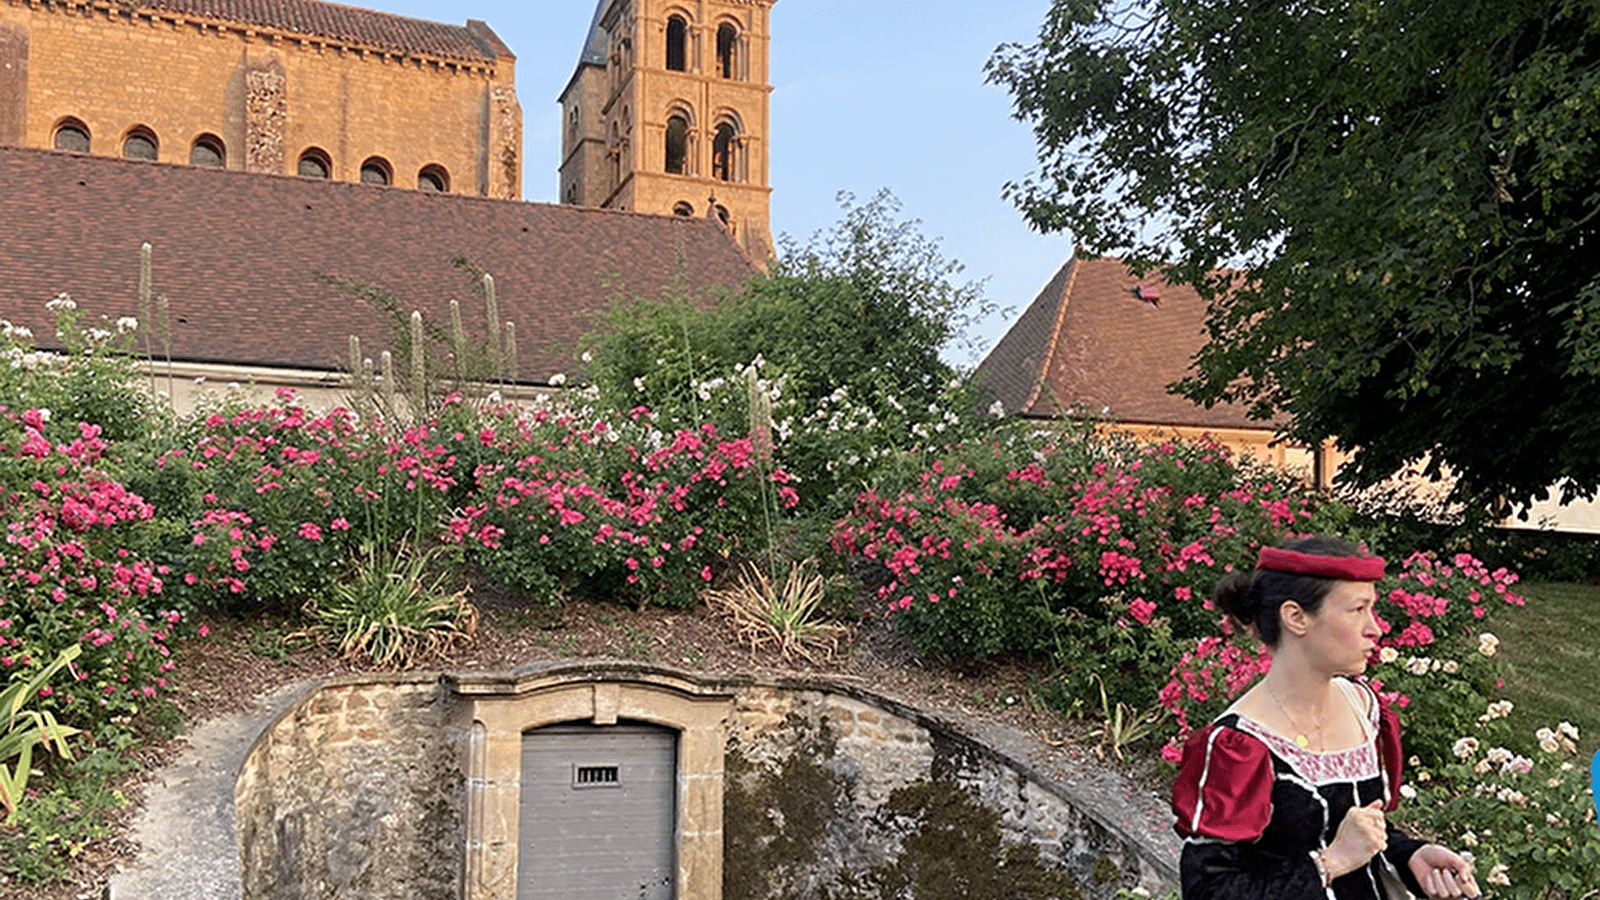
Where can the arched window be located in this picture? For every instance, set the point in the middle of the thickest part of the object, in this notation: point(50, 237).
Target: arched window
point(722, 214)
point(677, 44)
point(683, 208)
point(207, 150)
point(72, 135)
point(376, 170)
point(433, 178)
point(724, 153)
point(139, 144)
point(314, 163)
point(677, 145)
point(727, 51)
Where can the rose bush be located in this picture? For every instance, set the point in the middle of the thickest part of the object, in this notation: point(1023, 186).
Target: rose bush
point(70, 578)
point(1095, 548)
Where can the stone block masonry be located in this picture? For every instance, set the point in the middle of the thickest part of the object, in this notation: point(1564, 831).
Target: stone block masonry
point(265, 94)
point(409, 786)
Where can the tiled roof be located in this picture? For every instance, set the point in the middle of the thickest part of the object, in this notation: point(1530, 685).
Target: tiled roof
point(1087, 339)
point(245, 259)
point(347, 23)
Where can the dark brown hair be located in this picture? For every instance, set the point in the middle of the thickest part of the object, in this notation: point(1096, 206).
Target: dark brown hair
point(1253, 598)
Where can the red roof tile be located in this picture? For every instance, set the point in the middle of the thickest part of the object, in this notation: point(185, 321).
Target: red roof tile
point(346, 23)
point(1087, 339)
point(245, 259)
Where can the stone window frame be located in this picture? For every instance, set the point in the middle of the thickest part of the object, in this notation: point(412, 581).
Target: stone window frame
point(497, 712)
point(140, 133)
point(438, 173)
point(379, 167)
point(73, 124)
point(731, 56)
point(683, 209)
point(684, 21)
point(733, 166)
point(214, 144)
point(316, 155)
point(680, 109)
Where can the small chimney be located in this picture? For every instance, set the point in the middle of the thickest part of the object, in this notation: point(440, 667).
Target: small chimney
point(1149, 293)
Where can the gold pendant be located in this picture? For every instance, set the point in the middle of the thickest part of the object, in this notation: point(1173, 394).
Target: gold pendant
point(1301, 740)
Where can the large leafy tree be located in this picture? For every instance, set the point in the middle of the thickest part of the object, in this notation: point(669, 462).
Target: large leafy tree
point(866, 306)
point(1391, 206)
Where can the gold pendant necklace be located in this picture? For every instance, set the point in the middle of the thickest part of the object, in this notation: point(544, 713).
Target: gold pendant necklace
point(1299, 738)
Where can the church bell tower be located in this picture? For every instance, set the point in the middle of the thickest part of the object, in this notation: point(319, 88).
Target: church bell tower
point(667, 113)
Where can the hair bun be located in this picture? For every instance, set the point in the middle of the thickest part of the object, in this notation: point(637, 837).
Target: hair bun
point(1232, 596)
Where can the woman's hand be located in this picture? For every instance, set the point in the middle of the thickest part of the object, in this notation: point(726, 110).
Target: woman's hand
point(1442, 873)
point(1361, 835)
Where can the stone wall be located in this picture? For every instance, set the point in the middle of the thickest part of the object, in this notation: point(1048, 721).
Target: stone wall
point(408, 786)
point(354, 792)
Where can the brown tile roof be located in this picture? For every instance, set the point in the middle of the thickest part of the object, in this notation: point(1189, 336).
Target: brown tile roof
point(243, 258)
point(347, 23)
point(1087, 339)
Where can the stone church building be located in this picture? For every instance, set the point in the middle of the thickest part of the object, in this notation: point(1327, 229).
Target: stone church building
point(273, 150)
point(286, 87)
point(667, 113)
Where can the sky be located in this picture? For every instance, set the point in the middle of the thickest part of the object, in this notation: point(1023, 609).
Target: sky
point(866, 96)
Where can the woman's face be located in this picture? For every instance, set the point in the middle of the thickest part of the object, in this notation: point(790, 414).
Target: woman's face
point(1344, 630)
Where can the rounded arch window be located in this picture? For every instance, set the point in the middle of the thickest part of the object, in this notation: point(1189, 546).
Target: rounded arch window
point(683, 208)
point(314, 163)
point(722, 214)
point(677, 44)
point(208, 150)
point(724, 152)
point(140, 144)
point(677, 144)
point(433, 178)
point(376, 170)
point(727, 51)
point(72, 135)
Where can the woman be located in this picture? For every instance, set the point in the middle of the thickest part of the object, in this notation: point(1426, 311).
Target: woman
point(1284, 795)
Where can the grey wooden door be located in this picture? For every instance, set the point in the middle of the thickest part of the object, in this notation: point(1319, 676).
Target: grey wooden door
point(598, 807)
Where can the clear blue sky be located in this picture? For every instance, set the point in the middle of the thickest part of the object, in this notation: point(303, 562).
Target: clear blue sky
point(866, 95)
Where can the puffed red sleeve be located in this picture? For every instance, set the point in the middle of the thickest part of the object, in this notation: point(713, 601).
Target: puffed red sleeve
point(1224, 787)
point(1390, 756)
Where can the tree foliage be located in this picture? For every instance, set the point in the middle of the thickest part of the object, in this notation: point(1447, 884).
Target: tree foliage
point(1390, 206)
point(866, 306)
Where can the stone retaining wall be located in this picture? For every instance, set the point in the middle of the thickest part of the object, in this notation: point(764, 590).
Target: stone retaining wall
point(407, 786)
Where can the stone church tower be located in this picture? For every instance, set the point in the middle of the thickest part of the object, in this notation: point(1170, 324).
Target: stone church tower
point(667, 113)
point(287, 87)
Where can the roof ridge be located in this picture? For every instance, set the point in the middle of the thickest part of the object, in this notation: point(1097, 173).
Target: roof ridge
point(1055, 333)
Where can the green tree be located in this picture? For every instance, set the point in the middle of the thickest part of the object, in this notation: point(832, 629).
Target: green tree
point(866, 306)
point(1390, 206)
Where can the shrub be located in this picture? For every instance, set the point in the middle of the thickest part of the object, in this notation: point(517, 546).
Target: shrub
point(1088, 546)
point(614, 507)
point(1528, 822)
point(70, 578)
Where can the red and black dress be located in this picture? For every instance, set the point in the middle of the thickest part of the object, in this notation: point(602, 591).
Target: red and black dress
point(1252, 806)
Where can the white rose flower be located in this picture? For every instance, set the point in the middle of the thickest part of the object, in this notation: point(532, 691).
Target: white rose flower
point(1568, 729)
point(1498, 755)
point(1469, 839)
point(1465, 747)
point(1450, 667)
point(1408, 792)
point(558, 379)
point(1488, 644)
point(1497, 875)
point(1388, 655)
point(1417, 665)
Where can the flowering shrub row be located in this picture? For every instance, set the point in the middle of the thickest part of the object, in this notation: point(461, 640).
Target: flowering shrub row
point(1034, 542)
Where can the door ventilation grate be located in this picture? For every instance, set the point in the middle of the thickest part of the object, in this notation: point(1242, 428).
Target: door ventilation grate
point(595, 776)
